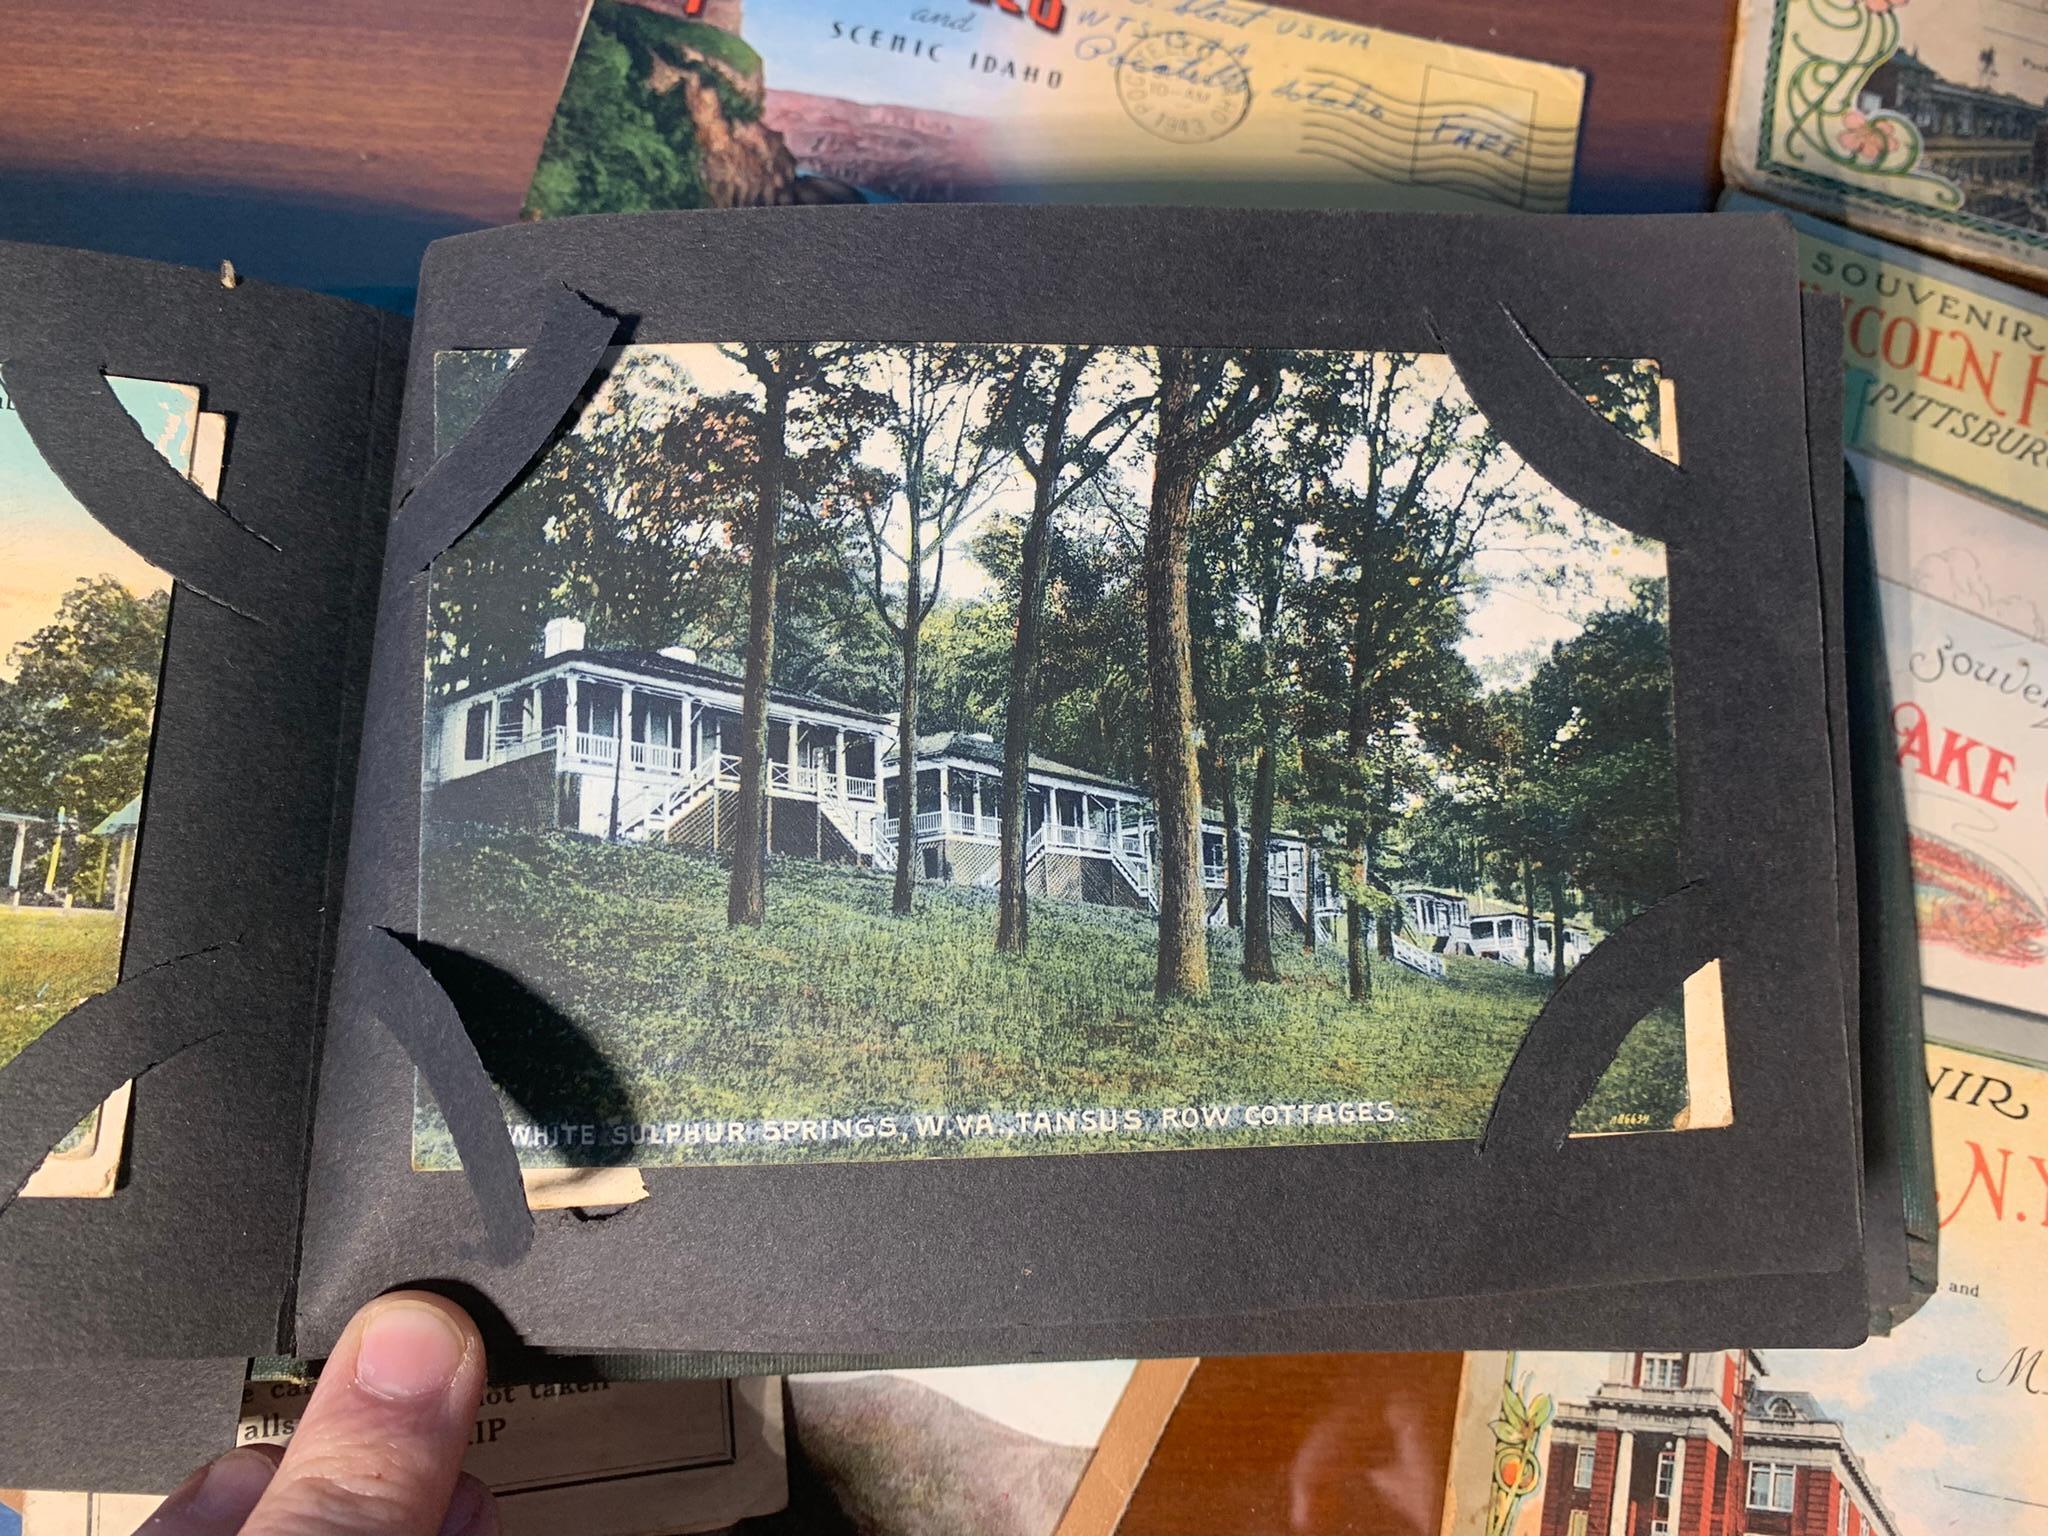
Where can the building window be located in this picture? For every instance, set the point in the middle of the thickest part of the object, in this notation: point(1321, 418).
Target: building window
point(476, 732)
point(1663, 1370)
point(1576, 1526)
point(1770, 1486)
point(1667, 1471)
point(1660, 1528)
point(1582, 1474)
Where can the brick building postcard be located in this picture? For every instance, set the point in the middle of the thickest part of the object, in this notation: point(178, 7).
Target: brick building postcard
point(1935, 1428)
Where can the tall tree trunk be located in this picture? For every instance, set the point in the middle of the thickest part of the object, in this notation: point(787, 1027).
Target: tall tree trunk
point(907, 850)
point(1183, 962)
point(1556, 934)
point(1308, 932)
point(1529, 909)
point(1233, 845)
point(1385, 932)
point(1357, 968)
point(1013, 906)
point(745, 900)
point(1258, 913)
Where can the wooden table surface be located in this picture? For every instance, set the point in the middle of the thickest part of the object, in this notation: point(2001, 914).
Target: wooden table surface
point(324, 142)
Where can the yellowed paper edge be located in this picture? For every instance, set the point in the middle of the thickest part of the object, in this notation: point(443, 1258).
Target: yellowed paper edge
point(563, 1189)
point(1126, 1447)
point(1468, 1480)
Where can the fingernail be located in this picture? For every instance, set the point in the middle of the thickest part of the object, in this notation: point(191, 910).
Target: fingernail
point(409, 1349)
point(233, 1485)
point(470, 1512)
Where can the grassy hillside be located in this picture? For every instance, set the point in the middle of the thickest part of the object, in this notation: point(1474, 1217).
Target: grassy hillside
point(50, 961)
point(837, 1007)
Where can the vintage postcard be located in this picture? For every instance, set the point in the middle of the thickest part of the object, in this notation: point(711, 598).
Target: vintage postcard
point(1057, 1448)
point(82, 623)
point(876, 751)
point(600, 1458)
point(1969, 705)
point(1947, 430)
point(1924, 122)
point(1946, 370)
point(688, 103)
point(1935, 1428)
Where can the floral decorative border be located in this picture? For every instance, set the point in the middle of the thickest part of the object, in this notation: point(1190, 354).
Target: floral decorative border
point(1517, 1447)
point(1883, 143)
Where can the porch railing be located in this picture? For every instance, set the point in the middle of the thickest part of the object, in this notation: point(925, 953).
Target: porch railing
point(650, 757)
point(509, 746)
point(1089, 839)
point(954, 823)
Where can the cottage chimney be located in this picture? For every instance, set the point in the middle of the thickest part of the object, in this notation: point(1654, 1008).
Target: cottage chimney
point(562, 635)
point(680, 652)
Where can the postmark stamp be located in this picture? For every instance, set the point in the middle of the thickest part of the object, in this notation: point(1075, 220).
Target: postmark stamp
point(1183, 87)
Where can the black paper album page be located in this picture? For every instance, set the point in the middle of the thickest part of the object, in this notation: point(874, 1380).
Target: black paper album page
point(194, 481)
point(999, 781)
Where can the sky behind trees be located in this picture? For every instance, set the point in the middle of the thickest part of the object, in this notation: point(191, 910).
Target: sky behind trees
point(47, 541)
point(1515, 613)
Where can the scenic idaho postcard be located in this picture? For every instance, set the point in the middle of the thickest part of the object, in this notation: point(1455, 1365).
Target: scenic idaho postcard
point(848, 750)
point(82, 624)
point(1935, 1428)
point(744, 103)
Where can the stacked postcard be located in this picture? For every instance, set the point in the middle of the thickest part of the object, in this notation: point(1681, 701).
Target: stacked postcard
point(1921, 125)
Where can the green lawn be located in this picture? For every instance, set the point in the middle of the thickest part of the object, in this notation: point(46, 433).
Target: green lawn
point(836, 1007)
point(50, 961)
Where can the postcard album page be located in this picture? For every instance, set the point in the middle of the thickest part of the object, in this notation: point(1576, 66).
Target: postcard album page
point(1947, 428)
point(1034, 772)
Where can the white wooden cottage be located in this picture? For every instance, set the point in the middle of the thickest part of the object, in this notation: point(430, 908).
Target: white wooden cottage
point(635, 745)
point(1502, 933)
point(1088, 837)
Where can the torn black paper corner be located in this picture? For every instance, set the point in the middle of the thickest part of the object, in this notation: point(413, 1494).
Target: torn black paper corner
point(415, 1009)
point(1556, 433)
point(515, 426)
point(102, 458)
point(1575, 1037)
point(61, 1075)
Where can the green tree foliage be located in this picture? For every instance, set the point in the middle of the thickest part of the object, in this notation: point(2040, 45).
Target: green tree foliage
point(620, 141)
point(75, 722)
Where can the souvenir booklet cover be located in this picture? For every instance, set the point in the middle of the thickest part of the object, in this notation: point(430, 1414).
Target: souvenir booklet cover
point(1931, 1429)
point(1920, 121)
point(719, 104)
point(1947, 425)
point(793, 770)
